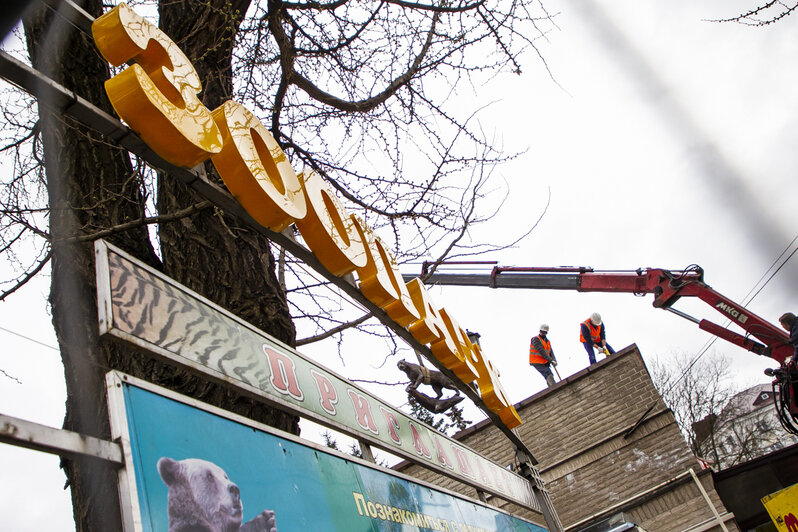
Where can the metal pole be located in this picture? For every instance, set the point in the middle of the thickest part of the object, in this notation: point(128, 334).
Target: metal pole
point(528, 471)
point(709, 501)
point(22, 433)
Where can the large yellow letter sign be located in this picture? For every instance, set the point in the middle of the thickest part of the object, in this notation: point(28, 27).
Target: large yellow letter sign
point(458, 359)
point(157, 97)
point(255, 170)
point(429, 328)
point(491, 391)
point(329, 229)
point(380, 280)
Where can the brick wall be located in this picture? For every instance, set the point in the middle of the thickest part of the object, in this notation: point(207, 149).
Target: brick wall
point(603, 437)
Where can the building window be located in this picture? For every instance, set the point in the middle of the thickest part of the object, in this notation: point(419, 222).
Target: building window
point(730, 443)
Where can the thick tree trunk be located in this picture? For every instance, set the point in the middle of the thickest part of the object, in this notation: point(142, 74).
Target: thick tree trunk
point(92, 186)
point(212, 253)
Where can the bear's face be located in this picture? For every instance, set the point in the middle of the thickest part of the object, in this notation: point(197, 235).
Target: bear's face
point(200, 495)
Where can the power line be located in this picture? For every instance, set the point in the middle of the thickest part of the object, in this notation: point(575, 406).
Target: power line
point(712, 341)
point(770, 268)
point(29, 339)
point(775, 272)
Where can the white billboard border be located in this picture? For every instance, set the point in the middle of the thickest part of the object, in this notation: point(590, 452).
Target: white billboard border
point(127, 483)
point(104, 305)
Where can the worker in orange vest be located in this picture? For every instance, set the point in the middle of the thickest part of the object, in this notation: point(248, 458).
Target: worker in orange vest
point(593, 334)
point(541, 355)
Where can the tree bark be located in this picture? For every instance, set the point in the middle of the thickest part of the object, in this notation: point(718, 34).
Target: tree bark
point(91, 186)
point(212, 253)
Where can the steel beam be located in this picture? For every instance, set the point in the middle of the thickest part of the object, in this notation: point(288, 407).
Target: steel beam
point(31, 435)
point(544, 281)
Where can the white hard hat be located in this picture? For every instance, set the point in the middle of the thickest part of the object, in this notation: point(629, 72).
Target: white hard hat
point(595, 319)
point(544, 327)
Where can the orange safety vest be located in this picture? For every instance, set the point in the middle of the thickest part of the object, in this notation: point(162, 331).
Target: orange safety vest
point(595, 332)
point(534, 356)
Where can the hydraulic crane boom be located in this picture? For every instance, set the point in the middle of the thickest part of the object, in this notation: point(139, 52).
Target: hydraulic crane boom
point(667, 286)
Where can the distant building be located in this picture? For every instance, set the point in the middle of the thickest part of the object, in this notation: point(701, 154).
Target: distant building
point(610, 453)
point(747, 427)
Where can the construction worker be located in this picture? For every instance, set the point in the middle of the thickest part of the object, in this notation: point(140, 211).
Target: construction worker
point(592, 334)
point(541, 356)
point(790, 323)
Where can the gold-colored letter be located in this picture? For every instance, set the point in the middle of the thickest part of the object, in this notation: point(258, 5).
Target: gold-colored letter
point(157, 96)
point(458, 359)
point(491, 391)
point(429, 328)
point(255, 169)
point(328, 229)
point(380, 280)
point(435, 327)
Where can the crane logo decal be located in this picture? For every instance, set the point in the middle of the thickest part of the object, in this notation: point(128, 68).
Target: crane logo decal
point(731, 311)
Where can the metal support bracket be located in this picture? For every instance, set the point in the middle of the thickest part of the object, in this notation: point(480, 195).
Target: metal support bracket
point(15, 431)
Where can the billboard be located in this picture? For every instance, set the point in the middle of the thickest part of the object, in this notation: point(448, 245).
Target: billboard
point(191, 466)
point(144, 307)
point(782, 507)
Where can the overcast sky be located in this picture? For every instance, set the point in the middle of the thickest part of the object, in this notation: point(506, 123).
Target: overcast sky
point(666, 140)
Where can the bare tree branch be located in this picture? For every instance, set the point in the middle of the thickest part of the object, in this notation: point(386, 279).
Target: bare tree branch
point(768, 13)
point(335, 330)
point(150, 220)
point(10, 377)
point(28, 276)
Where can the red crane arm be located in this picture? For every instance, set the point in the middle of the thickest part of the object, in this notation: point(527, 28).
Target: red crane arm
point(666, 285)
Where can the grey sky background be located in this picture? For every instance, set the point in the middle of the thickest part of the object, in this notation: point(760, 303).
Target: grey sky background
point(666, 140)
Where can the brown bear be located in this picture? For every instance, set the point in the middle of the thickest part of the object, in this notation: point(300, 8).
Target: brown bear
point(202, 498)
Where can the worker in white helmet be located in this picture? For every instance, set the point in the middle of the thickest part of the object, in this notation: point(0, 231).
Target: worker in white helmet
point(541, 355)
point(593, 335)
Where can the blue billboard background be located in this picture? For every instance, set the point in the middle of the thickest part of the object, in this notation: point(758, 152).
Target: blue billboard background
point(210, 461)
